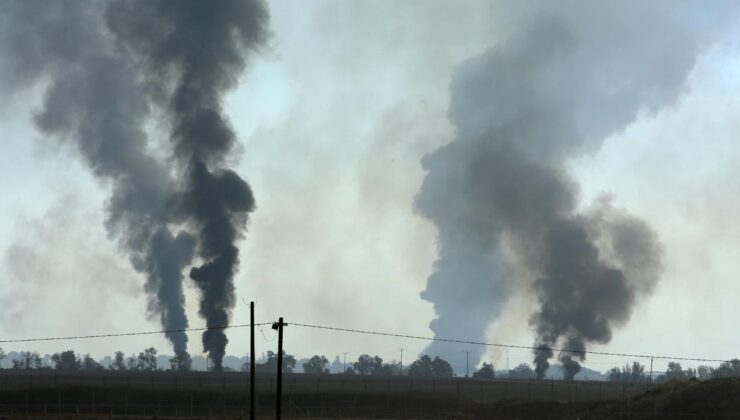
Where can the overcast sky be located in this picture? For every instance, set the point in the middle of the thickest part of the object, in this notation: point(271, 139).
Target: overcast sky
point(333, 121)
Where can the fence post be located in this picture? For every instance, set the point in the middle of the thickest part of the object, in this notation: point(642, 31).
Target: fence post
point(576, 390)
point(552, 389)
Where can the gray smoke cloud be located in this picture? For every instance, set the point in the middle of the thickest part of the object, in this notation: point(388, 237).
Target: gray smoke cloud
point(191, 54)
point(93, 102)
point(568, 76)
point(98, 99)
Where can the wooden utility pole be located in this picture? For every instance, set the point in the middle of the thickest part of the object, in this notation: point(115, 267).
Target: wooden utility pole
point(400, 371)
point(251, 361)
point(279, 397)
point(467, 368)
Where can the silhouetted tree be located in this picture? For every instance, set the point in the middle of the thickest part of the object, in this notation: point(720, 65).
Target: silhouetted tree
point(704, 372)
point(181, 361)
point(485, 372)
point(316, 365)
point(66, 360)
point(634, 373)
point(270, 364)
point(147, 360)
point(89, 363)
point(393, 368)
point(366, 365)
point(440, 367)
point(373, 365)
point(674, 371)
point(119, 361)
point(132, 362)
point(730, 368)
point(421, 367)
point(2, 356)
point(27, 360)
point(426, 366)
point(523, 371)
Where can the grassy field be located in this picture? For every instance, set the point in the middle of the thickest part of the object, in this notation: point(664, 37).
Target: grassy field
point(716, 399)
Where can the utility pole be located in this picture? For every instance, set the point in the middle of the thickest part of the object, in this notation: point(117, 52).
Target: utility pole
point(467, 370)
point(650, 380)
point(344, 362)
point(279, 398)
point(400, 371)
point(251, 361)
point(507, 360)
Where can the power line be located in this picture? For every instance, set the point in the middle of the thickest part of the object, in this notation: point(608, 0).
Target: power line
point(507, 346)
point(126, 334)
point(378, 333)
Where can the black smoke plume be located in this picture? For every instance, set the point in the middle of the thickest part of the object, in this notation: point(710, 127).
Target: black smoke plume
point(106, 66)
point(94, 103)
point(570, 75)
point(191, 53)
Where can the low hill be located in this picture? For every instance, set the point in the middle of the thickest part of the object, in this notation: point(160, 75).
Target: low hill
point(685, 399)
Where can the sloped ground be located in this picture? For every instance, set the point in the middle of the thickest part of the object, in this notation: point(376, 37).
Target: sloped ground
point(688, 399)
point(715, 399)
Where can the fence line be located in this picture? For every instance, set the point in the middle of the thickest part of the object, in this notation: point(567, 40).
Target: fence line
point(481, 390)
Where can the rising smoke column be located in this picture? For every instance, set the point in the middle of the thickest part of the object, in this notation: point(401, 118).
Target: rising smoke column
point(93, 102)
point(191, 54)
point(568, 76)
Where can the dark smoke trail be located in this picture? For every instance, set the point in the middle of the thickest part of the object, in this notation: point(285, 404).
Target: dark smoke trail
point(569, 76)
point(193, 52)
point(94, 102)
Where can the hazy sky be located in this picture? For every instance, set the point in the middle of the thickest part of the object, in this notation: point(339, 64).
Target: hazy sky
point(333, 120)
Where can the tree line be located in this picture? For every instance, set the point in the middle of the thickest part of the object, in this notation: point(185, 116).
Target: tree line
point(364, 365)
point(68, 360)
point(636, 372)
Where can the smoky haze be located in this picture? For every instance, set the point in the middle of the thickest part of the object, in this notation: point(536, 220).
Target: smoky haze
point(93, 103)
point(569, 75)
point(191, 53)
point(104, 75)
